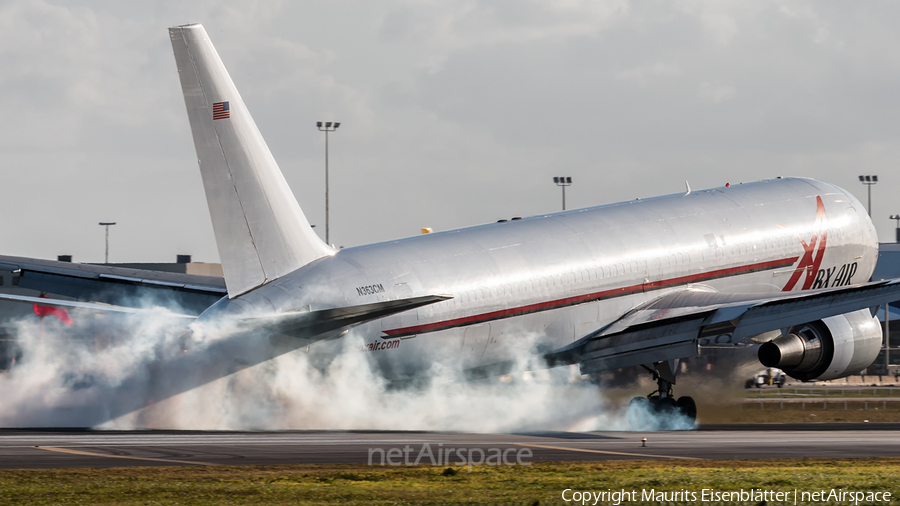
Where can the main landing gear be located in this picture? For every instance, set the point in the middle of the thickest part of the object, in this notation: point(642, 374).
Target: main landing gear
point(662, 401)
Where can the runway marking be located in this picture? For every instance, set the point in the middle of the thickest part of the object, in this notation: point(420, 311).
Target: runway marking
point(174, 441)
point(606, 452)
point(92, 454)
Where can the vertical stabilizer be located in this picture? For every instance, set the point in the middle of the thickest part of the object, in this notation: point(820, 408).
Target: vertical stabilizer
point(261, 232)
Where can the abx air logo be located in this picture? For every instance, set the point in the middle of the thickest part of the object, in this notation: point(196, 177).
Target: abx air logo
point(809, 264)
point(834, 276)
point(813, 251)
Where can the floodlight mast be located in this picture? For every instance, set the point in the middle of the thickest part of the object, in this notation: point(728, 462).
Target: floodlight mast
point(328, 127)
point(562, 182)
point(869, 180)
point(107, 225)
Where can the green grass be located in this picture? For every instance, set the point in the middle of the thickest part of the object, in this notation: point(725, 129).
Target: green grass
point(771, 412)
point(791, 392)
point(358, 484)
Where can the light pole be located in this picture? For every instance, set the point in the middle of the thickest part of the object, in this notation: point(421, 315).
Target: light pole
point(327, 127)
point(896, 218)
point(887, 338)
point(869, 180)
point(562, 182)
point(107, 224)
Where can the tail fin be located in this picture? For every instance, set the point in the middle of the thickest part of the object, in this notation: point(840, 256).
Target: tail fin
point(261, 232)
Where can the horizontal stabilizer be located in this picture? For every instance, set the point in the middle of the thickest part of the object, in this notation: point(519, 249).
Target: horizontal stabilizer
point(92, 306)
point(310, 323)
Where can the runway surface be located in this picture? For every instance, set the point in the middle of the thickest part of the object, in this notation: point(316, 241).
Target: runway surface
point(50, 448)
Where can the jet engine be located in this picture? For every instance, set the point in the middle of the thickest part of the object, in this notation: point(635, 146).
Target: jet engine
point(825, 349)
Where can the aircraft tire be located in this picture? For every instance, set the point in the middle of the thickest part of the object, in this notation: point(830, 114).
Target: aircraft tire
point(638, 403)
point(687, 407)
point(665, 405)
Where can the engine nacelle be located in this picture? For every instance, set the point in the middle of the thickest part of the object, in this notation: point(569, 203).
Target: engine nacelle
point(826, 349)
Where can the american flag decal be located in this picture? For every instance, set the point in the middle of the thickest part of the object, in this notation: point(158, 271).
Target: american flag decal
point(221, 110)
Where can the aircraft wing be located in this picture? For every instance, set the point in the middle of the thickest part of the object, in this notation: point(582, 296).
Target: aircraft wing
point(671, 327)
point(115, 285)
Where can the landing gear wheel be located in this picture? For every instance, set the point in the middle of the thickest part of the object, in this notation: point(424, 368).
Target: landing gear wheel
point(664, 405)
point(638, 402)
point(661, 403)
point(687, 407)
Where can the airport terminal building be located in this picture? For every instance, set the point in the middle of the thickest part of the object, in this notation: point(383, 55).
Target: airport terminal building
point(72, 279)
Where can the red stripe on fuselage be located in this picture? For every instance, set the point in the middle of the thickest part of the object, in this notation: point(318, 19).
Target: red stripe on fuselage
point(578, 299)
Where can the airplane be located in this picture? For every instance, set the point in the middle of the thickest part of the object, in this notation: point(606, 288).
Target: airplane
point(780, 262)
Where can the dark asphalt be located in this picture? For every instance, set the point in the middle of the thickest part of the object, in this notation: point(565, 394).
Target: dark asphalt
point(59, 448)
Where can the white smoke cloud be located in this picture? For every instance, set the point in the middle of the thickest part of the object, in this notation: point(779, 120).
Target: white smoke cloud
point(147, 373)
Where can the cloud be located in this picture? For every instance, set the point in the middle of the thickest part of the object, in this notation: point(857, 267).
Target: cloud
point(143, 371)
point(644, 75)
point(440, 103)
point(441, 29)
point(716, 93)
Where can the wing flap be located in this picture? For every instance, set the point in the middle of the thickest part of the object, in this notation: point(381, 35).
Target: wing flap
point(646, 356)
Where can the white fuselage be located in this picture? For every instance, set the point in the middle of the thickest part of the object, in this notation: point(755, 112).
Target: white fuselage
point(542, 282)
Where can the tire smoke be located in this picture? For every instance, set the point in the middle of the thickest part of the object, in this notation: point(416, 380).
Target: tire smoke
point(147, 372)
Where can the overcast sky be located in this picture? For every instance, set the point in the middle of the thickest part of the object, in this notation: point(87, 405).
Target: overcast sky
point(453, 113)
